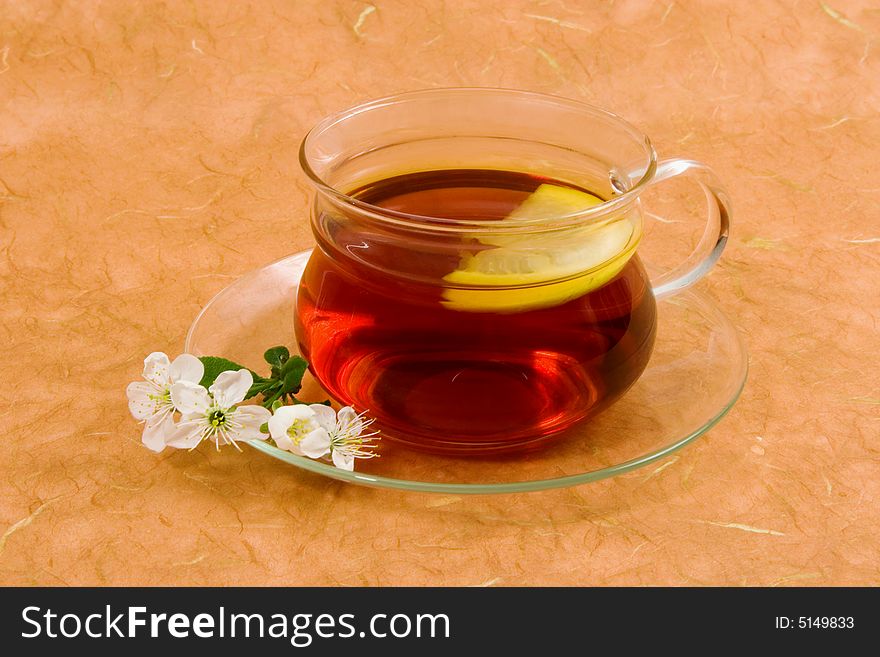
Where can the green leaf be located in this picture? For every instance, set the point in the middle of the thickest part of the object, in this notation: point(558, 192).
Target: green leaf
point(284, 381)
point(264, 387)
point(214, 366)
point(264, 428)
point(276, 357)
point(292, 373)
point(291, 383)
point(295, 364)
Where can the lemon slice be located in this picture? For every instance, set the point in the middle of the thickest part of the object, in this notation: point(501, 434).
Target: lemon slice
point(552, 201)
point(526, 272)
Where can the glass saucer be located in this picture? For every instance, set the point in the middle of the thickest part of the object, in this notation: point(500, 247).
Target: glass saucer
point(696, 373)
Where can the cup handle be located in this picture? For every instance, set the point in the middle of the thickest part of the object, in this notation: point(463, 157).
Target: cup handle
point(714, 238)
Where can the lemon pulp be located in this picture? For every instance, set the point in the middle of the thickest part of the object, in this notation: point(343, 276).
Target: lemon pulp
point(527, 272)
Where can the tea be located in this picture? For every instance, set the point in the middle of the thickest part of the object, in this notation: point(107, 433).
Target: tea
point(464, 354)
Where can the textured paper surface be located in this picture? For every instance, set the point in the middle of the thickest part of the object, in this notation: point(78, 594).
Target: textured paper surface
point(148, 157)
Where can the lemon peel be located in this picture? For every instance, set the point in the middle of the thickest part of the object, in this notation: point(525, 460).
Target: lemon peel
point(527, 272)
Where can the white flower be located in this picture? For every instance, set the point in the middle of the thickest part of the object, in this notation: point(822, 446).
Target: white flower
point(291, 424)
point(150, 401)
point(316, 431)
point(214, 414)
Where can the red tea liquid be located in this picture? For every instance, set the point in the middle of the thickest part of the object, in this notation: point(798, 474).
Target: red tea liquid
point(456, 381)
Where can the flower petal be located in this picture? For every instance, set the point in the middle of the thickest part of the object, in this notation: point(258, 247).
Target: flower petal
point(325, 416)
point(250, 418)
point(156, 434)
point(186, 367)
point(280, 422)
point(343, 460)
point(284, 442)
point(140, 404)
point(229, 388)
point(190, 398)
point(315, 444)
point(348, 422)
point(156, 368)
point(302, 412)
point(186, 435)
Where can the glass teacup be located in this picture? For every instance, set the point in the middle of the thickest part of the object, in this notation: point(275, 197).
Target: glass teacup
point(476, 285)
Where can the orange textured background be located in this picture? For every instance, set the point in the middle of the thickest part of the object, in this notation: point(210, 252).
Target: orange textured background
point(148, 157)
